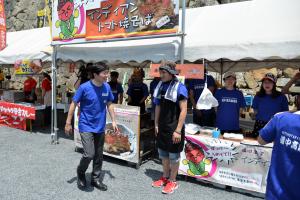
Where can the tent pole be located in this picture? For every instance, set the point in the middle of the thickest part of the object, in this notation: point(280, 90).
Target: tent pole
point(54, 138)
point(222, 65)
point(183, 31)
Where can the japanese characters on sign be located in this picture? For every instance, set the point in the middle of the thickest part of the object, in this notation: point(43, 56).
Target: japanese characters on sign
point(81, 20)
point(121, 18)
point(27, 67)
point(2, 26)
point(226, 162)
point(16, 110)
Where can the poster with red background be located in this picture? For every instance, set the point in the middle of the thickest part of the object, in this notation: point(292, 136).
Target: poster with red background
point(2, 26)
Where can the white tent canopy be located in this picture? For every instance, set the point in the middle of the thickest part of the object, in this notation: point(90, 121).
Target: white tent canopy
point(258, 29)
point(245, 35)
point(238, 33)
point(28, 44)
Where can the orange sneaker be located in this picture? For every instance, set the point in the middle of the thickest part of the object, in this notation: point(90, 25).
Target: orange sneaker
point(159, 183)
point(170, 187)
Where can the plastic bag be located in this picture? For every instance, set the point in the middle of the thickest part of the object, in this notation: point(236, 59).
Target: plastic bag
point(207, 100)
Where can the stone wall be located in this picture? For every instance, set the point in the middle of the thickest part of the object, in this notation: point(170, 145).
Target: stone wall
point(22, 14)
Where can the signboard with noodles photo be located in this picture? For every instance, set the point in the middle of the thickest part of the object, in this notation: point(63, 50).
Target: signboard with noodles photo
point(132, 18)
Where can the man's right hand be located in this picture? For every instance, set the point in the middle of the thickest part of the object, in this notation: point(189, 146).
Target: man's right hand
point(68, 129)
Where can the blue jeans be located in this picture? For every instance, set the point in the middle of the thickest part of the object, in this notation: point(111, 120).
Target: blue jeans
point(173, 157)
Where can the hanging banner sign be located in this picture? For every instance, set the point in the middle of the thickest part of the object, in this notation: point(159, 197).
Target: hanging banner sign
point(131, 18)
point(68, 21)
point(27, 67)
point(226, 162)
point(189, 71)
point(81, 20)
point(2, 26)
point(17, 110)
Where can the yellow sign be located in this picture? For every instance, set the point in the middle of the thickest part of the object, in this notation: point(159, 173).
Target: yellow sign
point(28, 67)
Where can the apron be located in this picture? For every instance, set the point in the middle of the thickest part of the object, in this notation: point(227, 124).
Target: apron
point(168, 121)
point(137, 96)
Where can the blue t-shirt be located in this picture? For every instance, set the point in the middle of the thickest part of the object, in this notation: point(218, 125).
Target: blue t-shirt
point(284, 174)
point(116, 89)
point(138, 85)
point(182, 92)
point(93, 101)
point(267, 106)
point(197, 85)
point(228, 112)
point(153, 85)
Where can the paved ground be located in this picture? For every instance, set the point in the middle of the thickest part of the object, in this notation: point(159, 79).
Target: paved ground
point(31, 168)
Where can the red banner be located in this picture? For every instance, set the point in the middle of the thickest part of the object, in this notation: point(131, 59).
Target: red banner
point(13, 122)
point(189, 71)
point(16, 110)
point(2, 26)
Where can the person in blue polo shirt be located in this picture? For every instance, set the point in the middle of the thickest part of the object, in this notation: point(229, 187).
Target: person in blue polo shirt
point(196, 86)
point(231, 104)
point(267, 102)
point(94, 96)
point(116, 87)
point(283, 178)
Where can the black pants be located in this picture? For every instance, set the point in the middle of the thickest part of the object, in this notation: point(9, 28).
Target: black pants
point(204, 119)
point(92, 150)
point(259, 124)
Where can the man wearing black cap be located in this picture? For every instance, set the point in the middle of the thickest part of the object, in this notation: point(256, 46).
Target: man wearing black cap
point(94, 96)
point(170, 98)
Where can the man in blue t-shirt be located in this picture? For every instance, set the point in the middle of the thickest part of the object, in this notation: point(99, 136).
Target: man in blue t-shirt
point(284, 173)
point(116, 87)
point(94, 97)
point(284, 130)
point(196, 86)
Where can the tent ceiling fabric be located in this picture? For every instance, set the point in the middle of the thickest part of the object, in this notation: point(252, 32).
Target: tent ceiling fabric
point(155, 50)
point(28, 44)
point(258, 29)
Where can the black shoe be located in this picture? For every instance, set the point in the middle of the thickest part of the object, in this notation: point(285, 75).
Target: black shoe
point(99, 185)
point(81, 181)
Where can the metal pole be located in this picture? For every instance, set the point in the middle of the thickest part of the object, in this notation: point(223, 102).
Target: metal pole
point(222, 65)
point(54, 138)
point(183, 32)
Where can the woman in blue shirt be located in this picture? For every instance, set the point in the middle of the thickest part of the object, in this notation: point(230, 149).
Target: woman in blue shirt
point(267, 102)
point(231, 103)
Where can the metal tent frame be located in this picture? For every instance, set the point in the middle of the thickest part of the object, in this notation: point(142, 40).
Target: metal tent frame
point(54, 128)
